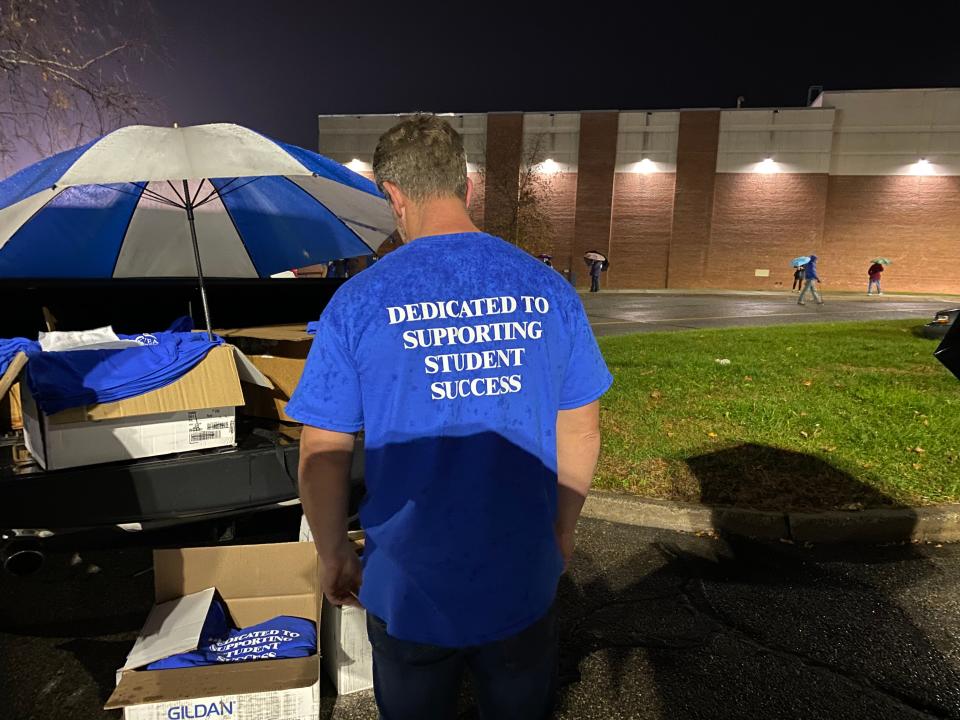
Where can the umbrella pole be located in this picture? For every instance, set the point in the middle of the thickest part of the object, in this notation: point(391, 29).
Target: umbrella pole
point(196, 256)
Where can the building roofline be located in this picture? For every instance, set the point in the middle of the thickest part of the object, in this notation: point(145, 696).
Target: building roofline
point(893, 90)
point(575, 112)
point(650, 110)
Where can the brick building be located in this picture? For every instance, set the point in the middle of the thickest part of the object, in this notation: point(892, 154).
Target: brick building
point(726, 198)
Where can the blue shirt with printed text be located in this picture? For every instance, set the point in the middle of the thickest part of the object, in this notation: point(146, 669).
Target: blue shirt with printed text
point(456, 377)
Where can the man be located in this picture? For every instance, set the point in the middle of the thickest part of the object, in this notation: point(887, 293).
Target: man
point(811, 277)
point(874, 274)
point(596, 267)
point(477, 385)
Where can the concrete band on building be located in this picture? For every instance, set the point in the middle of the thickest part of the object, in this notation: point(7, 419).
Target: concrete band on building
point(724, 198)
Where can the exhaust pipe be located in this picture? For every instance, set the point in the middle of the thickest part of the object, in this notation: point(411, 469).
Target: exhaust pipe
point(21, 558)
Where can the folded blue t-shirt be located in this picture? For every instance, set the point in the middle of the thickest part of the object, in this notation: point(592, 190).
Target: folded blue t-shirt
point(9, 347)
point(61, 380)
point(278, 638)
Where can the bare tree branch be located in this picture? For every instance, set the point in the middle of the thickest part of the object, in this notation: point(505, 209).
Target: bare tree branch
point(64, 71)
point(527, 223)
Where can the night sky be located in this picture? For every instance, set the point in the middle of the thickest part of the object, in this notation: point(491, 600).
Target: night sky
point(274, 66)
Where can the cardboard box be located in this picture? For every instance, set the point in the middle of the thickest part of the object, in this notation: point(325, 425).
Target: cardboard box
point(196, 412)
point(257, 583)
point(346, 653)
point(11, 411)
point(280, 353)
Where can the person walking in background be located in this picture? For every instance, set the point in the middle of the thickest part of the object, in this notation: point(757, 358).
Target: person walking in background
point(810, 277)
point(596, 267)
point(874, 273)
point(798, 279)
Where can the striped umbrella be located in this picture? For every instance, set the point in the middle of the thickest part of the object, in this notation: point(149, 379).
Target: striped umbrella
point(210, 200)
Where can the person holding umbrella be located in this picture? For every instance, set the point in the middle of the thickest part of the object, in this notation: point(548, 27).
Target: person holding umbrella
point(874, 272)
point(810, 277)
point(596, 267)
point(597, 262)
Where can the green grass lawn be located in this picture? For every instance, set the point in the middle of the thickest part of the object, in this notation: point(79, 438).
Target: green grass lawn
point(842, 415)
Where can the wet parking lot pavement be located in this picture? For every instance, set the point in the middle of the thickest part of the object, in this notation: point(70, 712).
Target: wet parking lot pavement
point(616, 313)
point(655, 624)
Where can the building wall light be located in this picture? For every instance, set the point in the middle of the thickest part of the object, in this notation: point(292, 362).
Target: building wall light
point(549, 166)
point(768, 166)
point(358, 165)
point(646, 166)
point(921, 167)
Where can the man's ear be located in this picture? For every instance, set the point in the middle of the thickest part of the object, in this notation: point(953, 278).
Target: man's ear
point(395, 197)
point(469, 198)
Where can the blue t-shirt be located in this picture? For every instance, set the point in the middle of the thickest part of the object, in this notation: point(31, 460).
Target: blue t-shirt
point(456, 376)
point(279, 638)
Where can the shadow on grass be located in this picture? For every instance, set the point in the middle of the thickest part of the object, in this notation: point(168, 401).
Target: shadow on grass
point(769, 478)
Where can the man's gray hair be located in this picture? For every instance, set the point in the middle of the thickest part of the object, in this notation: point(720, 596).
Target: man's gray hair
point(424, 157)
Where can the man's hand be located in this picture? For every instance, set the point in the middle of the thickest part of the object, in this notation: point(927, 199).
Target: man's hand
point(325, 458)
point(341, 576)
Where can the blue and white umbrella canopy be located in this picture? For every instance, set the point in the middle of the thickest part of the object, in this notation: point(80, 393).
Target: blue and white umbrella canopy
point(119, 206)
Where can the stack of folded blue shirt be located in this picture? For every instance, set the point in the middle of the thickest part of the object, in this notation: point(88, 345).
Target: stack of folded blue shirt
point(281, 637)
point(62, 380)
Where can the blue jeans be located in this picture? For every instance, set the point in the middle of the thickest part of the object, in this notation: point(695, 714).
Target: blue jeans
point(514, 679)
point(872, 283)
point(810, 285)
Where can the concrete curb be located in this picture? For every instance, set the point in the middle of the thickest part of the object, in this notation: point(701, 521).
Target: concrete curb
point(887, 525)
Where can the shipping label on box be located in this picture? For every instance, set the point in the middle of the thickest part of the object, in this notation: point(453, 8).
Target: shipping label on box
point(210, 426)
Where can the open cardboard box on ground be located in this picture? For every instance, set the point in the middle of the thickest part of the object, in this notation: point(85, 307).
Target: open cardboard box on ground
point(257, 583)
point(196, 412)
point(279, 352)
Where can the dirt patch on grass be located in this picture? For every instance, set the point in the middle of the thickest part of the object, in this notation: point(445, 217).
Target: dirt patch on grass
point(650, 477)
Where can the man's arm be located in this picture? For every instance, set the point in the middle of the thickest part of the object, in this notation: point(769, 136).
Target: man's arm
point(325, 459)
point(578, 447)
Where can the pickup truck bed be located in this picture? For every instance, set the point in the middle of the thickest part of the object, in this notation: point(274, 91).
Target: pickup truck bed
point(259, 473)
